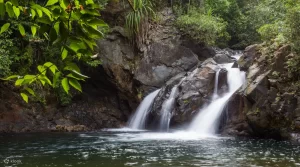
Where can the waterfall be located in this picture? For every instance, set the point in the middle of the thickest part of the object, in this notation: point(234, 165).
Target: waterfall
point(206, 122)
point(137, 121)
point(167, 107)
point(215, 94)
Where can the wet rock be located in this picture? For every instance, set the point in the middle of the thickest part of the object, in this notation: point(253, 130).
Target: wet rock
point(222, 82)
point(75, 128)
point(235, 65)
point(193, 91)
point(223, 59)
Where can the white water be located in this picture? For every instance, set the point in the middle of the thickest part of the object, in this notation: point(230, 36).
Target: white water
point(206, 121)
point(215, 94)
point(167, 107)
point(137, 121)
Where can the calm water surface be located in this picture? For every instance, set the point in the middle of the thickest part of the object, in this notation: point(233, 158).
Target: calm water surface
point(143, 149)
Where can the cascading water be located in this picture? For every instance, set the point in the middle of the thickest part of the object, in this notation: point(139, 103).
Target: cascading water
point(137, 121)
point(205, 122)
point(215, 94)
point(167, 107)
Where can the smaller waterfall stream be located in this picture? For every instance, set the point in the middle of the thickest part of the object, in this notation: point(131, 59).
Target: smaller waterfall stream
point(137, 121)
point(167, 107)
point(205, 122)
point(215, 94)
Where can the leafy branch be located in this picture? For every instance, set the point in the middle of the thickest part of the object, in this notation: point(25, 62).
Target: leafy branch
point(73, 25)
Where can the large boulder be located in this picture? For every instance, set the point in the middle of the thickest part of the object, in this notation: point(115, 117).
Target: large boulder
point(223, 59)
point(247, 59)
point(163, 62)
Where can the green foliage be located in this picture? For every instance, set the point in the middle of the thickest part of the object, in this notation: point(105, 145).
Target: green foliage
point(8, 51)
point(249, 21)
point(137, 20)
point(293, 22)
point(204, 28)
point(70, 25)
point(5, 60)
point(268, 31)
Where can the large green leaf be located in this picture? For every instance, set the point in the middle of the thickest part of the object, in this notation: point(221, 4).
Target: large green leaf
point(97, 22)
point(73, 82)
point(16, 11)
point(48, 64)
point(51, 2)
point(63, 3)
point(76, 45)
point(33, 13)
point(9, 9)
point(19, 82)
point(56, 78)
point(29, 77)
point(21, 29)
point(93, 33)
point(39, 12)
point(65, 85)
point(42, 69)
point(33, 30)
point(29, 90)
point(56, 27)
point(71, 67)
point(47, 12)
point(64, 54)
point(44, 79)
point(4, 27)
point(51, 66)
point(90, 12)
point(25, 97)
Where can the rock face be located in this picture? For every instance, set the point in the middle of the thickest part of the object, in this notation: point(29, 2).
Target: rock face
point(163, 62)
point(93, 110)
point(250, 53)
point(159, 59)
point(268, 105)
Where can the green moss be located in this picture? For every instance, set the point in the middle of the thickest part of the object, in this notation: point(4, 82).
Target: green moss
point(140, 95)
